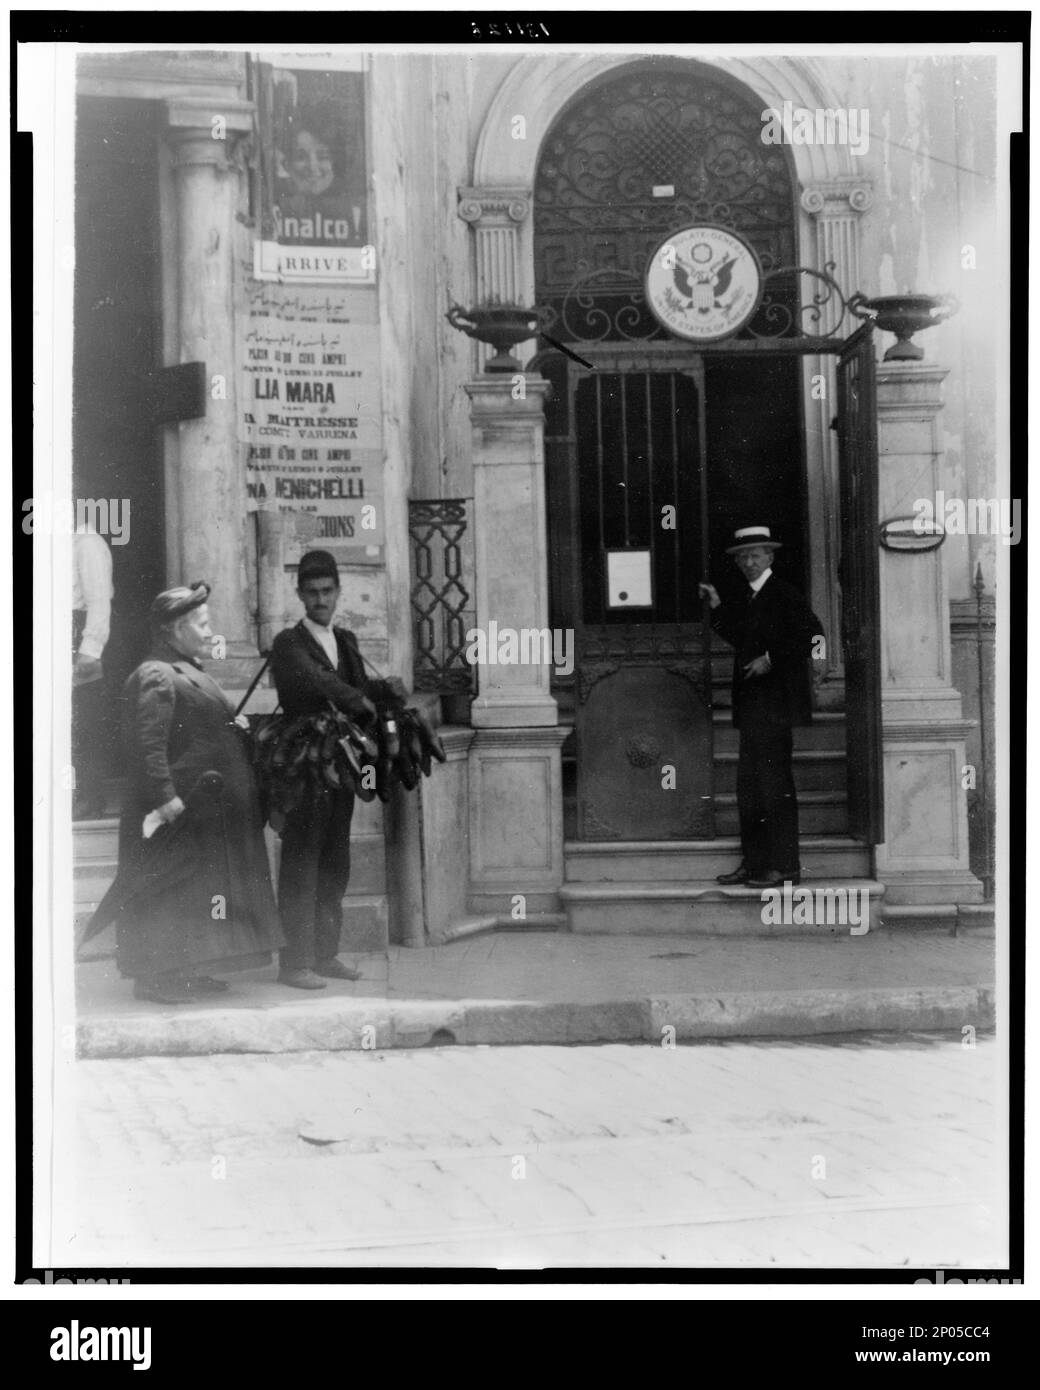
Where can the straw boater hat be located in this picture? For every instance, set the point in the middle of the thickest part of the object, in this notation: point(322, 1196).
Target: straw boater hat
point(750, 538)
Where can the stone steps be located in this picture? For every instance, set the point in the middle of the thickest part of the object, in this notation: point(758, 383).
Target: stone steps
point(826, 732)
point(669, 886)
point(688, 908)
point(819, 813)
point(815, 769)
point(96, 857)
point(698, 861)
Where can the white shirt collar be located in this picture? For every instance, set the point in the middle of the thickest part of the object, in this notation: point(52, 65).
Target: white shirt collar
point(325, 637)
point(756, 584)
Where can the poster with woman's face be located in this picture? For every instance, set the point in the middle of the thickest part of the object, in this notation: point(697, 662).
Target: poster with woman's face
point(312, 173)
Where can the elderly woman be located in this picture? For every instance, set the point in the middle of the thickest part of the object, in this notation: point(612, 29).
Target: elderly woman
point(193, 888)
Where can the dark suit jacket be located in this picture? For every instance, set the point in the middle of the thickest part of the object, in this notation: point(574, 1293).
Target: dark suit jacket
point(778, 621)
point(306, 680)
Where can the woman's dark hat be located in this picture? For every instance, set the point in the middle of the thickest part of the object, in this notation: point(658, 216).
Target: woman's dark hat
point(751, 538)
point(172, 604)
point(317, 564)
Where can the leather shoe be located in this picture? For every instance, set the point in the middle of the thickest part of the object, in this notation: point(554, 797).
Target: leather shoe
point(205, 984)
point(300, 979)
point(774, 879)
point(739, 875)
point(161, 992)
point(335, 970)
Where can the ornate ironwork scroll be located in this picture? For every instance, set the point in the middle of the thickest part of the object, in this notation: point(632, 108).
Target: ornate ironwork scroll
point(608, 305)
point(653, 150)
point(643, 644)
point(440, 599)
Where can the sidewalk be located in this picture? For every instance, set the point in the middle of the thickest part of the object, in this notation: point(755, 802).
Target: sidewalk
point(555, 987)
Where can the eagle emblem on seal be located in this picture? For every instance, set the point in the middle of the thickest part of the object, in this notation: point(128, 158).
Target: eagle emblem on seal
point(700, 282)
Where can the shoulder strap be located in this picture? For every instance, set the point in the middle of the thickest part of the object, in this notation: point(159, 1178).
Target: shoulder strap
point(253, 684)
point(352, 642)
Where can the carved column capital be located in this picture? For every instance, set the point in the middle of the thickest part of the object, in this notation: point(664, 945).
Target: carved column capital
point(207, 130)
point(488, 207)
point(837, 197)
point(500, 219)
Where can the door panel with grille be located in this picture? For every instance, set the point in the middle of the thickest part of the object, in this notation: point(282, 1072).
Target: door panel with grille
point(642, 708)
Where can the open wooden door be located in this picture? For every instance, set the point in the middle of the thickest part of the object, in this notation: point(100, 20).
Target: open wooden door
point(858, 576)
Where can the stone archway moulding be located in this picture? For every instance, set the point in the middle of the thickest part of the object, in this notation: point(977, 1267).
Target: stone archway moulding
point(498, 203)
point(832, 196)
point(539, 87)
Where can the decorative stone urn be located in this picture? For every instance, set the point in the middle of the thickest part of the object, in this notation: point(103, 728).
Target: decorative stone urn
point(501, 326)
point(904, 315)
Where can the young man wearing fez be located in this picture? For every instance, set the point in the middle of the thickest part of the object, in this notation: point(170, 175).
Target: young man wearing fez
point(313, 663)
point(771, 630)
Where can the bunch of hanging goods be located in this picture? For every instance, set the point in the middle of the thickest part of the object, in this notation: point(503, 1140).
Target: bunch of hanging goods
point(299, 760)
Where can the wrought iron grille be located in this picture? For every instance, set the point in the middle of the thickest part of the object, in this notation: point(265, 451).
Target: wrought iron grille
point(440, 599)
point(604, 306)
point(600, 208)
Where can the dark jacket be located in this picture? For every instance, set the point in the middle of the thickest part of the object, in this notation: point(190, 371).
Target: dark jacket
point(780, 622)
point(306, 681)
point(199, 890)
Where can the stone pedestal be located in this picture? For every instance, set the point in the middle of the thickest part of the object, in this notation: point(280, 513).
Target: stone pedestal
point(510, 542)
point(203, 134)
point(924, 858)
point(515, 779)
point(445, 837)
point(516, 821)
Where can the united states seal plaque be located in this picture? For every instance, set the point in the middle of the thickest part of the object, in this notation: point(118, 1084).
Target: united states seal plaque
point(703, 283)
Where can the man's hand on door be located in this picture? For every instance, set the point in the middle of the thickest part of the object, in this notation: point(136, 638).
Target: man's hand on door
point(761, 666)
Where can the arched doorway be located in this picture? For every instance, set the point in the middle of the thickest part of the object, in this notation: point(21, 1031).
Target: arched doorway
point(641, 422)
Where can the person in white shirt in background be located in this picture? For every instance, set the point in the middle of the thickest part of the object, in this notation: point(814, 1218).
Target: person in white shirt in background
point(91, 620)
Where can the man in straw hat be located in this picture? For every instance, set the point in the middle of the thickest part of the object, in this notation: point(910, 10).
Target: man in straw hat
point(773, 632)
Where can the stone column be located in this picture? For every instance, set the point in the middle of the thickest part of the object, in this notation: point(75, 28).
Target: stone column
point(501, 223)
point(510, 542)
point(834, 208)
point(925, 855)
point(203, 134)
point(515, 782)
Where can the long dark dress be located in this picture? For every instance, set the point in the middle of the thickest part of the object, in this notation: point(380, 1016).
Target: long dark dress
point(198, 892)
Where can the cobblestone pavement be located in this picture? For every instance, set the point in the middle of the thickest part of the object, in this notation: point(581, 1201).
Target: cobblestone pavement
point(853, 1152)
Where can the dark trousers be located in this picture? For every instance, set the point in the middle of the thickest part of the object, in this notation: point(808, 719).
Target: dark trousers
point(314, 874)
point(89, 703)
point(766, 801)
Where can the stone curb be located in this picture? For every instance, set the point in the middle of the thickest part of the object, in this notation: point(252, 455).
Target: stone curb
point(356, 1024)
